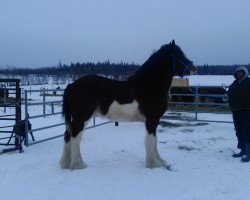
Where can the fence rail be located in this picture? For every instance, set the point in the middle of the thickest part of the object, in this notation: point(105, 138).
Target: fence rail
point(45, 113)
point(198, 107)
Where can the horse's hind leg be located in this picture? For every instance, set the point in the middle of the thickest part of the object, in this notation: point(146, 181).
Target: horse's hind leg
point(66, 156)
point(76, 161)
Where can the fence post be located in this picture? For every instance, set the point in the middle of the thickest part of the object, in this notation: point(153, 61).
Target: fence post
point(18, 131)
point(196, 103)
point(26, 119)
point(44, 102)
point(4, 99)
point(52, 108)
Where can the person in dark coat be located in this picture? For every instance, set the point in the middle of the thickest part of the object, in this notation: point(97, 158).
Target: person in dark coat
point(238, 96)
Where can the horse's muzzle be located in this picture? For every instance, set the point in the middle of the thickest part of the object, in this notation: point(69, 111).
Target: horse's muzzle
point(192, 69)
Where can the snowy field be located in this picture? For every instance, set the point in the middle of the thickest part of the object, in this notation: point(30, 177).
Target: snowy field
point(200, 156)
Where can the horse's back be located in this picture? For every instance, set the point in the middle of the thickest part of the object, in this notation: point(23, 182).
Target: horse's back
point(92, 93)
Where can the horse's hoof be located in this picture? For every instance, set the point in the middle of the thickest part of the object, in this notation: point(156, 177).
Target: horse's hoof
point(153, 164)
point(77, 165)
point(64, 166)
point(64, 163)
point(163, 162)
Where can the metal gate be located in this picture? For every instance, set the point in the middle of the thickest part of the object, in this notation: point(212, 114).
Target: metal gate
point(11, 99)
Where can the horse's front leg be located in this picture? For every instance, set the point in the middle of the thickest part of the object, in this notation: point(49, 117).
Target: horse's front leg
point(153, 158)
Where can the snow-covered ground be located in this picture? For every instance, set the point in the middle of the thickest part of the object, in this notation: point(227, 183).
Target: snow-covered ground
point(200, 156)
point(116, 170)
point(209, 80)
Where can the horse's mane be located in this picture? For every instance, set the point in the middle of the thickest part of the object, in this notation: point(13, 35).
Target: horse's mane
point(154, 61)
point(166, 49)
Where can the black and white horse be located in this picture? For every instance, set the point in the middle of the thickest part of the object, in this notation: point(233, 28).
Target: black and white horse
point(143, 97)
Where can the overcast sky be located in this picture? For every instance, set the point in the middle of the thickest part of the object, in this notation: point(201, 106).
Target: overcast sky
point(36, 33)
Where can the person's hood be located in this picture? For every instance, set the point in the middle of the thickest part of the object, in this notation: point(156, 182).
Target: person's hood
point(242, 69)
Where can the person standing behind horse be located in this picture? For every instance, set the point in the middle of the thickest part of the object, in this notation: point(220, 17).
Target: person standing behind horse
point(238, 96)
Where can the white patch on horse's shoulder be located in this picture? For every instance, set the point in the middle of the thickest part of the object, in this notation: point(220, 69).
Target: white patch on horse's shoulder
point(125, 112)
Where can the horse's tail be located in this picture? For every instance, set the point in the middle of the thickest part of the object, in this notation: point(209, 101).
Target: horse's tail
point(66, 109)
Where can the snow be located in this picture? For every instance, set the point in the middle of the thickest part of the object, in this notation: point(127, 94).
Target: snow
point(210, 80)
point(200, 156)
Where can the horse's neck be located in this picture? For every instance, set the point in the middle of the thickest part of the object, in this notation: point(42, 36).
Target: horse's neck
point(153, 79)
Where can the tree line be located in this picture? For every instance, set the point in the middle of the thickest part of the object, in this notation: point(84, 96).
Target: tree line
point(62, 74)
point(219, 69)
point(104, 68)
point(113, 70)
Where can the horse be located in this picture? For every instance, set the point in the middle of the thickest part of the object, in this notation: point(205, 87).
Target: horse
point(142, 97)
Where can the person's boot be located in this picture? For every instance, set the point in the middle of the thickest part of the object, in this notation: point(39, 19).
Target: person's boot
point(240, 154)
point(246, 158)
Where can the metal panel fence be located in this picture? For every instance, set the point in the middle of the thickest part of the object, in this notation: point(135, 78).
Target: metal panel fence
point(48, 108)
point(197, 107)
point(52, 108)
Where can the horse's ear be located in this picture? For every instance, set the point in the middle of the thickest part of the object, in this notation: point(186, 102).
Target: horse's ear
point(173, 42)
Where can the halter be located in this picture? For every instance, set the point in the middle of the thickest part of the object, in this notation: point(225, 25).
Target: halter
point(185, 66)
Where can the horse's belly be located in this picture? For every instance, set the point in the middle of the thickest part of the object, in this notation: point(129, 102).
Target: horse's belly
point(125, 112)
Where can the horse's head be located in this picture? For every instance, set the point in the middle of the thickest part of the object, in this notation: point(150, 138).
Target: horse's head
point(181, 64)
point(165, 63)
